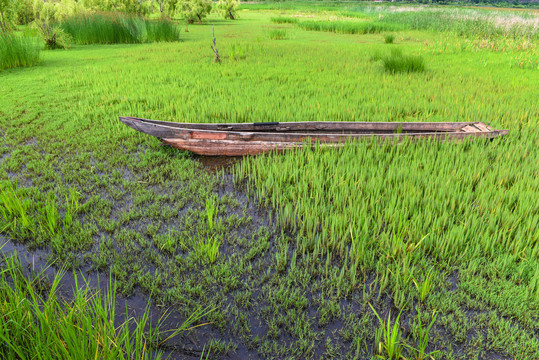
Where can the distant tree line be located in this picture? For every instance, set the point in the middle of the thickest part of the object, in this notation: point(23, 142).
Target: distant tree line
point(497, 3)
point(22, 12)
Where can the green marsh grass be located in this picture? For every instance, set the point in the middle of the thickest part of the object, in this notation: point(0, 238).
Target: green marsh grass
point(338, 26)
point(471, 23)
point(388, 340)
point(210, 212)
point(37, 323)
point(466, 22)
point(425, 287)
point(284, 20)
point(239, 51)
point(397, 62)
point(278, 34)
point(423, 334)
point(72, 206)
point(18, 51)
point(51, 217)
point(347, 27)
point(118, 29)
point(468, 209)
point(15, 208)
point(389, 39)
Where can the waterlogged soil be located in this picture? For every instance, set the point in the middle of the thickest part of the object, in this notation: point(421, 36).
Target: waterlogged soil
point(188, 346)
point(215, 164)
point(271, 292)
point(262, 307)
point(132, 306)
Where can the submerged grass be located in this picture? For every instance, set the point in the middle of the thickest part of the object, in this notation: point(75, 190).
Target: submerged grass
point(18, 51)
point(118, 29)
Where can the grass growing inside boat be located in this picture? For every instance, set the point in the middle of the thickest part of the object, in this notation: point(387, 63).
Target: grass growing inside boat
point(443, 234)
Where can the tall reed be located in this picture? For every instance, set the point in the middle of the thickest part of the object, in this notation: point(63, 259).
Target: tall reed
point(118, 29)
point(17, 51)
point(397, 62)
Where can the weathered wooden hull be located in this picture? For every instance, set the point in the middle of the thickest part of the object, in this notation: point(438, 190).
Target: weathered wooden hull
point(256, 138)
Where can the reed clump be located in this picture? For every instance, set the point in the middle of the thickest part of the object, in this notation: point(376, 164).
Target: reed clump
point(284, 20)
point(397, 62)
point(108, 28)
point(389, 39)
point(278, 34)
point(347, 27)
point(339, 26)
point(18, 51)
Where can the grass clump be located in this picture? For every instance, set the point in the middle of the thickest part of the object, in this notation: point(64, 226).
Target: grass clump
point(346, 27)
point(397, 62)
point(284, 20)
point(389, 39)
point(17, 51)
point(278, 34)
point(162, 30)
point(14, 208)
point(422, 333)
point(239, 51)
point(118, 29)
point(388, 338)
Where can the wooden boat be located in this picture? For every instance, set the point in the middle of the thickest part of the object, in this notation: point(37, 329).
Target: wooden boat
point(237, 139)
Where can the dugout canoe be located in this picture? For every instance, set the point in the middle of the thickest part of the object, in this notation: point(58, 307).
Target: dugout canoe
point(237, 139)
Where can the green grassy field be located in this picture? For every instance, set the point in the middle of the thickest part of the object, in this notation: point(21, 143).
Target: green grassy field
point(305, 254)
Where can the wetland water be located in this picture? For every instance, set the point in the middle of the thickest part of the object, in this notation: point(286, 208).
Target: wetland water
point(137, 299)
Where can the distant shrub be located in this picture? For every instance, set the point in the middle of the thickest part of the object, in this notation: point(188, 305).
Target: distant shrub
point(45, 15)
point(389, 39)
point(137, 7)
point(228, 8)
point(397, 62)
point(7, 12)
point(278, 34)
point(195, 10)
point(17, 51)
point(118, 29)
point(25, 12)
